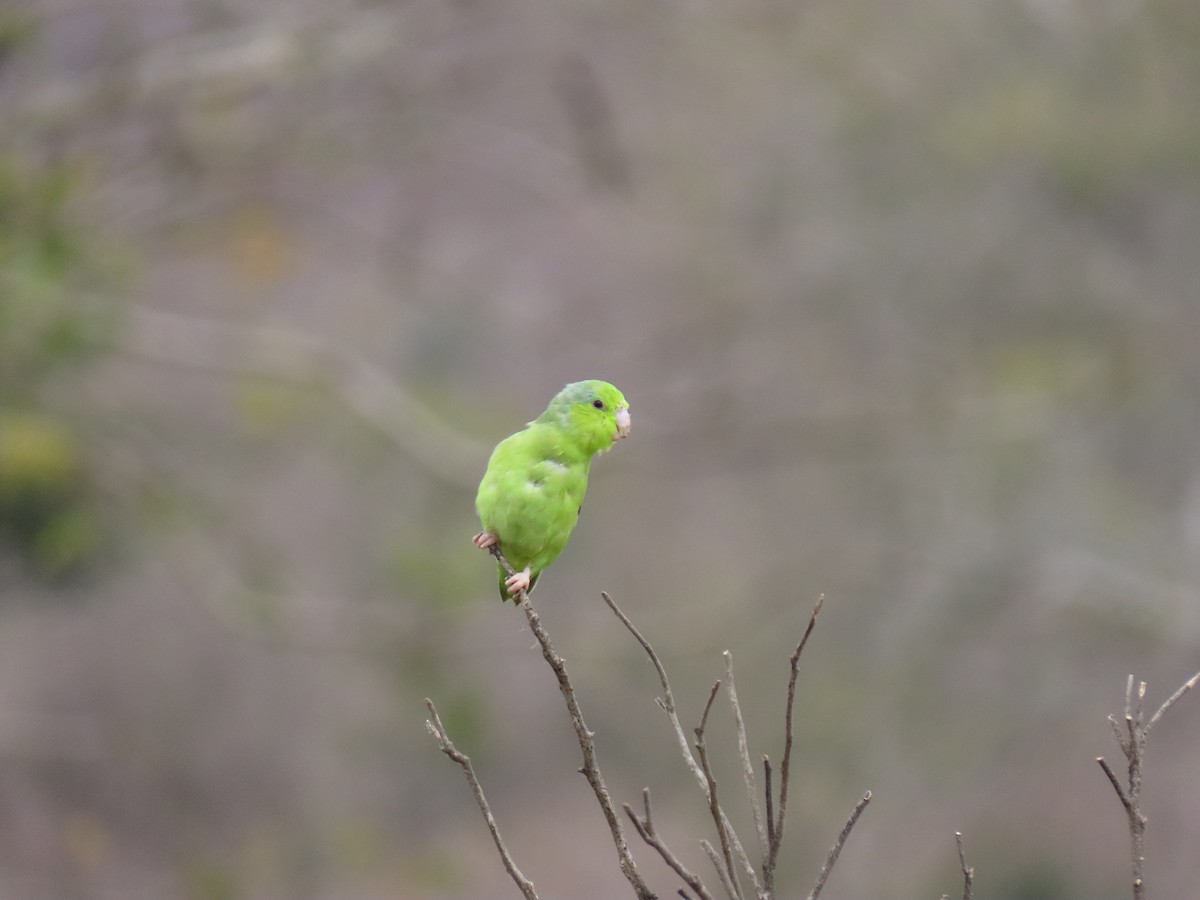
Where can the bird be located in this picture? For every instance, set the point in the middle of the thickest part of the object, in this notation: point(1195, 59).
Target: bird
point(532, 491)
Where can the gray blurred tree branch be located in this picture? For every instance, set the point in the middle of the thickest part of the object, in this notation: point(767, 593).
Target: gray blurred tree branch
point(1131, 735)
point(304, 360)
point(278, 49)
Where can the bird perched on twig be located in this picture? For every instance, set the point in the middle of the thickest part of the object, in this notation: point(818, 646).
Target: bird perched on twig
point(530, 497)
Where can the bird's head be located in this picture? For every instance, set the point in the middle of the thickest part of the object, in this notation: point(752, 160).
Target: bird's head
point(594, 410)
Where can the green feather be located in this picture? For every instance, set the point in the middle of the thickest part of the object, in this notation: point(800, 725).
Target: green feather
point(536, 479)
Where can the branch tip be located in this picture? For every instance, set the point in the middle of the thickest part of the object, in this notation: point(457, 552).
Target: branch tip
point(836, 850)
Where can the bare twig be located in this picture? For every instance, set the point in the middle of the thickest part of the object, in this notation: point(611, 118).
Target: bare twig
point(714, 805)
point(645, 828)
point(1112, 777)
point(590, 769)
point(715, 859)
point(1122, 742)
point(1170, 701)
point(667, 702)
point(435, 727)
point(1132, 741)
point(744, 755)
point(836, 849)
point(771, 836)
point(770, 800)
point(732, 854)
point(712, 695)
point(968, 873)
point(772, 857)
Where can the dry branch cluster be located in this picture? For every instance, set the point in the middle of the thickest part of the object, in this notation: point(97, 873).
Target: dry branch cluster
point(738, 874)
point(1131, 735)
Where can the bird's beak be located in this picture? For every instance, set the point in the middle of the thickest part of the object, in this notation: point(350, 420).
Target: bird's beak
point(624, 423)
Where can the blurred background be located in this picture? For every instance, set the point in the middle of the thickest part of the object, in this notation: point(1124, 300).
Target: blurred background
point(905, 304)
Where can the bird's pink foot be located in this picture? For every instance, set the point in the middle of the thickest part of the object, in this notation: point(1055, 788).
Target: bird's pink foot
point(485, 540)
point(521, 581)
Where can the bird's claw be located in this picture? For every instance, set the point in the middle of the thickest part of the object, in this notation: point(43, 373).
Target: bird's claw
point(485, 540)
point(519, 581)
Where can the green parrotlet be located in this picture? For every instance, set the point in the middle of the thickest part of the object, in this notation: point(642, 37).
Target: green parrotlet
point(531, 495)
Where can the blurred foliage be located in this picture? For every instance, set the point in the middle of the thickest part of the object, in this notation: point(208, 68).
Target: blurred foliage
point(210, 879)
point(52, 326)
point(48, 507)
point(49, 321)
point(266, 408)
point(1044, 879)
point(426, 565)
point(17, 30)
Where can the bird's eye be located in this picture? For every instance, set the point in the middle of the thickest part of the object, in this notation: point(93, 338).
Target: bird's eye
point(599, 404)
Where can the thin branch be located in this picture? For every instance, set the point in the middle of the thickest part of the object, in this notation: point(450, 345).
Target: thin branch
point(668, 699)
point(770, 800)
point(1183, 689)
point(785, 765)
point(1122, 742)
point(744, 755)
point(435, 727)
point(1132, 741)
point(968, 873)
point(667, 702)
point(590, 768)
point(1112, 777)
point(715, 859)
point(712, 695)
point(645, 828)
point(714, 805)
point(836, 849)
point(1132, 751)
